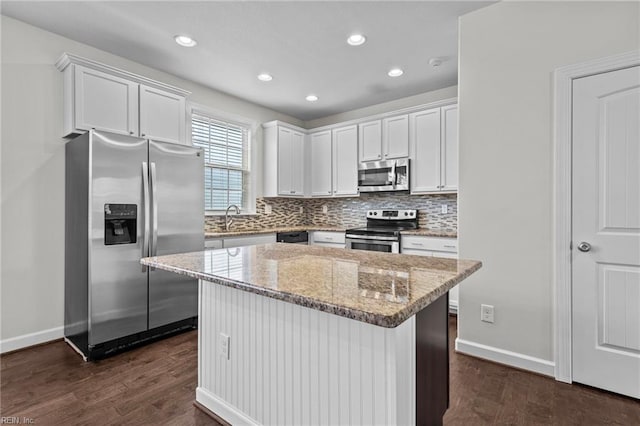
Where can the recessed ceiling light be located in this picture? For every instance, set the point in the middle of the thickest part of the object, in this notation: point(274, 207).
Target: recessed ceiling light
point(356, 39)
point(312, 98)
point(265, 77)
point(435, 62)
point(396, 72)
point(185, 41)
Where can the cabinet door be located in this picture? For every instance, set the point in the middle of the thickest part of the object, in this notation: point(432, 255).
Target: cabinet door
point(105, 102)
point(297, 163)
point(345, 161)
point(285, 158)
point(395, 137)
point(162, 115)
point(321, 164)
point(370, 141)
point(425, 147)
point(449, 171)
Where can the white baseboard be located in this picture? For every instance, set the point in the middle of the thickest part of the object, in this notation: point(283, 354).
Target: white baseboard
point(222, 409)
point(501, 356)
point(26, 340)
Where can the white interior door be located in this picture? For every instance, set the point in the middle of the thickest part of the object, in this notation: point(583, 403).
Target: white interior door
point(606, 217)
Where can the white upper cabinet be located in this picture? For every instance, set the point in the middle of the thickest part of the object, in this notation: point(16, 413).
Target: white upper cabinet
point(345, 160)
point(384, 139)
point(101, 97)
point(283, 167)
point(320, 163)
point(333, 158)
point(425, 155)
point(370, 140)
point(162, 115)
point(395, 137)
point(449, 173)
point(103, 101)
point(434, 150)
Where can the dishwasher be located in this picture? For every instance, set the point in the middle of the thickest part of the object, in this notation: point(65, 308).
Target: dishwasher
point(298, 237)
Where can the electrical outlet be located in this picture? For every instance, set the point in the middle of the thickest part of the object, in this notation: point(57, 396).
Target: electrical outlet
point(267, 209)
point(325, 209)
point(444, 209)
point(486, 313)
point(301, 210)
point(223, 346)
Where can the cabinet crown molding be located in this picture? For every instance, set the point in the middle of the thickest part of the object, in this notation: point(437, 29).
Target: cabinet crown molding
point(68, 58)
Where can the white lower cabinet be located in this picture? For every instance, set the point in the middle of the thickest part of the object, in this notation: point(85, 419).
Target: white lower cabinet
point(239, 241)
point(327, 238)
point(436, 247)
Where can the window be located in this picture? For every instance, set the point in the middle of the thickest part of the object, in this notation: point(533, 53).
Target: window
point(226, 161)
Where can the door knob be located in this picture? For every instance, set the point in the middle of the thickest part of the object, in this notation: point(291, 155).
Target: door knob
point(584, 246)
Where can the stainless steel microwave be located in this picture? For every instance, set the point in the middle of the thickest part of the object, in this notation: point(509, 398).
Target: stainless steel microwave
point(379, 176)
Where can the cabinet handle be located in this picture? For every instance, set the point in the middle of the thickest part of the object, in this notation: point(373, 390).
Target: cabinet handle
point(131, 132)
point(446, 246)
point(417, 244)
point(143, 135)
point(328, 192)
point(379, 156)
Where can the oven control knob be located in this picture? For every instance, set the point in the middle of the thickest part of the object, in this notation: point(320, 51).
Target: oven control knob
point(406, 214)
point(375, 213)
point(411, 213)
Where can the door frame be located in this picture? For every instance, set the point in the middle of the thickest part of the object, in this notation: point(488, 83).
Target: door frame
point(562, 141)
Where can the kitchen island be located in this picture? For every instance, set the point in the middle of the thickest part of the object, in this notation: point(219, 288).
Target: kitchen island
point(292, 334)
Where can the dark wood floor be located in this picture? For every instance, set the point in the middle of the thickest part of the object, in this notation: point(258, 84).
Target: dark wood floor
point(156, 384)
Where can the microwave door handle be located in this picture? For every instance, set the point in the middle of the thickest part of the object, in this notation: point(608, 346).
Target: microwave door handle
point(394, 177)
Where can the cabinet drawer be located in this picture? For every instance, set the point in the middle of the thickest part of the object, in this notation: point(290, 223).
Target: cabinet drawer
point(429, 243)
point(328, 237)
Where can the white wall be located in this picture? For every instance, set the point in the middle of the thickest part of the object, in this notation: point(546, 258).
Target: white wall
point(32, 170)
point(508, 52)
point(410, 101)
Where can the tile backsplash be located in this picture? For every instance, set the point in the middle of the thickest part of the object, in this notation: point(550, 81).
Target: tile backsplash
point(346, 212)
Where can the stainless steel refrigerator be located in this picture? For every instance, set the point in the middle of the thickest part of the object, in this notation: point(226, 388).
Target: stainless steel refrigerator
point(128, 198)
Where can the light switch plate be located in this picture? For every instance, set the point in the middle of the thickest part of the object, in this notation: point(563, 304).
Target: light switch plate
point(325, 209)
point(267, 209)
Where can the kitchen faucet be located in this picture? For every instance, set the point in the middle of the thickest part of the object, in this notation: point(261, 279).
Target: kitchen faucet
point(227, 220)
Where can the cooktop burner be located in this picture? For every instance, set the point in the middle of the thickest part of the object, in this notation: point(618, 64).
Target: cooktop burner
point(387, 222)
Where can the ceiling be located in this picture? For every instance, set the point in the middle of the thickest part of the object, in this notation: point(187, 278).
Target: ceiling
point(301, 44)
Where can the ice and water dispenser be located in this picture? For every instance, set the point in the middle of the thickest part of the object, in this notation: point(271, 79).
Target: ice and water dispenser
point(120, 224)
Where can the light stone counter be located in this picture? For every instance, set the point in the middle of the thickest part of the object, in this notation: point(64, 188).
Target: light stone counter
point(426, 232)
point(377, 288)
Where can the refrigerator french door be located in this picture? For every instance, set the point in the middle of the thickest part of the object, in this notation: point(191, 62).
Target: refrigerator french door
point(173, 171)
point(128, 198)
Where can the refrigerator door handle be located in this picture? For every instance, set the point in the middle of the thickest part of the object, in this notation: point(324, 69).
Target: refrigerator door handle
point(154, 238)
point(145, 200)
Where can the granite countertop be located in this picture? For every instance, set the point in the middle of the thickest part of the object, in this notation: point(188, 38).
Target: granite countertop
point(378, 288)
point(430, 232)
point(272, 231)
point(425, 232)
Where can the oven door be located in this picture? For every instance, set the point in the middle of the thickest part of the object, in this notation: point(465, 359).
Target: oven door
point(373, 244)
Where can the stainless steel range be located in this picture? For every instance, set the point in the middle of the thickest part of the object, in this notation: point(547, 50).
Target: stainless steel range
point(382, 232)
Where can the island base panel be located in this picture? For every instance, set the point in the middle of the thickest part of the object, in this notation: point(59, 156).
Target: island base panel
point(289, 364)
point(432, 362)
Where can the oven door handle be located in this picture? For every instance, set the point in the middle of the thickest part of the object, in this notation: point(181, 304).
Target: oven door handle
point(370, 238)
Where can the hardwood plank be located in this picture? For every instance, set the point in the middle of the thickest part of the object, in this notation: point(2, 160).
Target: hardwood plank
point(155, 384)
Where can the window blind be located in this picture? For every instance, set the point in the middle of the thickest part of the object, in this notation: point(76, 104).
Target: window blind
point(225, 147)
